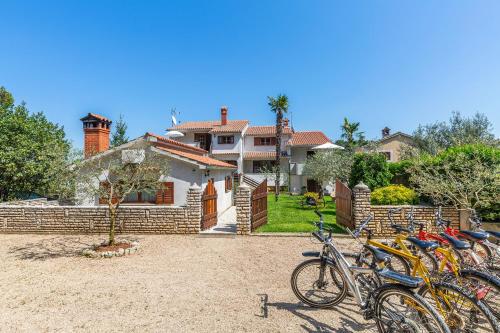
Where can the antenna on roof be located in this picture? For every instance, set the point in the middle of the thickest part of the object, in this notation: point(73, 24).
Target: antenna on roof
point(291, 121)
point(174, 114)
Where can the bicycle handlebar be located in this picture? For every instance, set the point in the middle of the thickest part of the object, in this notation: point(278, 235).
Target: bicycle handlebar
point(359, 229)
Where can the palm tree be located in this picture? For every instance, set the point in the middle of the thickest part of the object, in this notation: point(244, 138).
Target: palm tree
point(279, 106)
point(350, 131)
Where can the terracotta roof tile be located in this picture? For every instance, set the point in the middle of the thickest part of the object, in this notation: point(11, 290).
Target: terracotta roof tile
point(198, 158)
point(213, 126)
point(266, 130)
point(97, 116)
point(308, 138)
point(178, 144)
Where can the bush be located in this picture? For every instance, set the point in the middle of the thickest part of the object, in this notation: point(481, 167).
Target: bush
point(311, 195)
point(399, 171)
point(394, 195)
point(370, 168)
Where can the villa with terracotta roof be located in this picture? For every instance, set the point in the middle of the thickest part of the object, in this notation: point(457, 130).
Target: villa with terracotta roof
point(189, 165)
point(252, 148)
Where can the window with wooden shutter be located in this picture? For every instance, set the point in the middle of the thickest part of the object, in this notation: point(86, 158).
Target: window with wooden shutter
point(256, 141)
point(229, 183)
point(165, 195)
point(105, 187)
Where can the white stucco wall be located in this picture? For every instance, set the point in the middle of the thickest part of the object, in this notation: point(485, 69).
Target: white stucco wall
point(183, 175)
point(226, 148)
point(224, 199)
point(249, 143)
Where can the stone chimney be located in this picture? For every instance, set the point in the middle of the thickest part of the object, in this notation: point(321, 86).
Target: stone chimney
point(285, 122)
point(223, 115)
point(96, 130)
point(386, 131)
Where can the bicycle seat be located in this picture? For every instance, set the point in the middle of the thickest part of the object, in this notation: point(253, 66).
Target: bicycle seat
point(379, 255)
point(494, 234)
point(409, 281)
point(475, 235)
point(457, 244)
point(421, 244)
point(400, 228)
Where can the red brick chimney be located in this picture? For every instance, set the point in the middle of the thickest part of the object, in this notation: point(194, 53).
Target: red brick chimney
point(223, 115)
point(96, 130)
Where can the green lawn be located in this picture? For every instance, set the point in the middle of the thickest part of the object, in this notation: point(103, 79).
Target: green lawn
point(287, 215)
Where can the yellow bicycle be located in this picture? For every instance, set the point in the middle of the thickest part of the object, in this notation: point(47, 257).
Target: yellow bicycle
point(461, 310)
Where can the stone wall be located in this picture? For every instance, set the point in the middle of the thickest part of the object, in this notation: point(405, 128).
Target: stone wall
point(380, 224)
point(243, 203)
point(131, 219)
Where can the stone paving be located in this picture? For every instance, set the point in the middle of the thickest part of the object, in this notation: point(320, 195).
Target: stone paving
point(174, 283)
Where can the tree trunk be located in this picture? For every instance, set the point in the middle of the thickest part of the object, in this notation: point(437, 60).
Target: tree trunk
point(112, 219)
point(279, 121)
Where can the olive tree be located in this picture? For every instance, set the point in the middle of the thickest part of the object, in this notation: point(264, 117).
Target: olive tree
point(327, 166)
point(467, 177)
point(113, 177)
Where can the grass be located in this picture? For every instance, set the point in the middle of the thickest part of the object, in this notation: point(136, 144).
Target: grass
point(287, 215)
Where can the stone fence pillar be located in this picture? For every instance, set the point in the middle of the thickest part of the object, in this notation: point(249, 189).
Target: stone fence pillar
point(194, 208)
point(361, 205)
point(243, 210)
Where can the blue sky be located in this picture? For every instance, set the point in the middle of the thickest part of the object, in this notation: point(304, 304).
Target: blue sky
point(382, 63)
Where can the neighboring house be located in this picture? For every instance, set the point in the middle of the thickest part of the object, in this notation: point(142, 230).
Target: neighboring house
point(189, 165)
point(300, 147)
point(391, 144)
point(251, 148)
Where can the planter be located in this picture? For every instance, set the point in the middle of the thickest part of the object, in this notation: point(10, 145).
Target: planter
point(122, 248)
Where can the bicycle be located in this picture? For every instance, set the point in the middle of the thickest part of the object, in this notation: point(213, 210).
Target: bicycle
point(395, 307)
point(449, 299)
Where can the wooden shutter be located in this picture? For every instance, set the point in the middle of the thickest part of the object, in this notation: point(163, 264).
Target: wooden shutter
point(256, 141)
point(104, 186)
point(273, 141)
point(165, 195)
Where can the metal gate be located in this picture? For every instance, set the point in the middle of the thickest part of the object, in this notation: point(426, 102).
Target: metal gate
point(259, 205)
point(209, 202)
point(343, 203)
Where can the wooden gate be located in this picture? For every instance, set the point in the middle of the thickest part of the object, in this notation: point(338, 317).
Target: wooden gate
point(209, 202)
point(343, 202)
point(259, 205)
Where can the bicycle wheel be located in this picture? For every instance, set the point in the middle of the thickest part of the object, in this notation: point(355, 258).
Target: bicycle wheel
point(429, 260)
point(318, 283)
point(461, 311)
point(399, 309)
point(484, 287)
point(481, 250)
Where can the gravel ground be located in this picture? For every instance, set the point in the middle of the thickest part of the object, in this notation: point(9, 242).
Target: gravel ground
point(173, 284)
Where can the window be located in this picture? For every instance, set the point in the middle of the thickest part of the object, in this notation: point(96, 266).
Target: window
point(225, 139)
point(165, 195)
point(387, 155)
point(310, 153)
point(259, 165)
point(203, 139)
point(229, 183)
point(266, 141)
point(232, 162)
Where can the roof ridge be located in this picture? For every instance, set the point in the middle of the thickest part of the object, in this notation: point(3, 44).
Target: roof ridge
point(177, 143)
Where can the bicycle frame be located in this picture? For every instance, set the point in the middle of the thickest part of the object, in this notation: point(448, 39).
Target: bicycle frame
point(348, 271)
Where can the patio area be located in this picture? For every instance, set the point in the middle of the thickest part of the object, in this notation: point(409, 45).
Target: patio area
point(174, 283)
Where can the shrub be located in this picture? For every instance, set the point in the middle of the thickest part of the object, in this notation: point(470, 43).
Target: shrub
point(464, 176)
point(370, 168)
point(311, 195)
point(399, 171)
point(394, 195)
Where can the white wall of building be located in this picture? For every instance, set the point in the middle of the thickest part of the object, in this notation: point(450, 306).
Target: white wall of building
point(224, 199)
point(226, 148)
point(183, 175)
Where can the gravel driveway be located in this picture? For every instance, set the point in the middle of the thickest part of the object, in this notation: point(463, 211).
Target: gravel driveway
point(173, 284)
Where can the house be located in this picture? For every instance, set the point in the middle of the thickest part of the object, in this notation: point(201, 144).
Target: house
point(391, 144)
point(188, 165)
point(253, 148)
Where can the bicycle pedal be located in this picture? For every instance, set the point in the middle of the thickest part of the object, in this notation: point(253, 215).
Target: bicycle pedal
point(368, 314)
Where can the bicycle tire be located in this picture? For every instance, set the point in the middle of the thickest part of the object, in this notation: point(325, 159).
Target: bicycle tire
point(493, 282)
point(452, 319)
point(394, 289)
point(307, 299)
